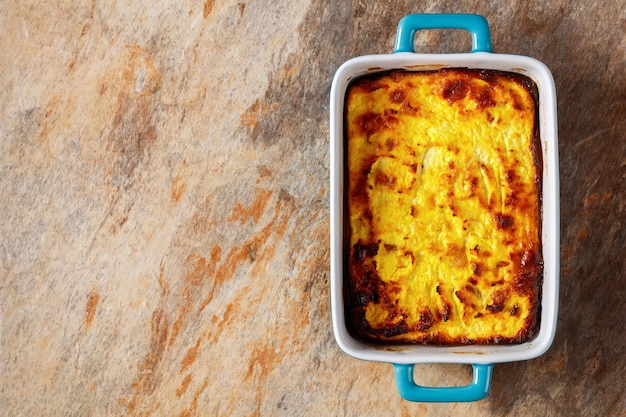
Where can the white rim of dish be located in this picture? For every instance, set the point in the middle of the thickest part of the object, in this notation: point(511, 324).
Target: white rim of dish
point(413, 354)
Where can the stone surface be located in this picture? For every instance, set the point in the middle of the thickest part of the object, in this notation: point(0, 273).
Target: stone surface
point(164, 221)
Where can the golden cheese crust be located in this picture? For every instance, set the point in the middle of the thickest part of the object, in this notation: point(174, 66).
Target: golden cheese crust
point(444, 220)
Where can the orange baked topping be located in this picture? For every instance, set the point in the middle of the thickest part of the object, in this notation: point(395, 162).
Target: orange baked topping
point(444, 186)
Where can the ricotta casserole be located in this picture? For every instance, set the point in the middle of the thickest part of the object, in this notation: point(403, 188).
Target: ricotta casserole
point(443, 180)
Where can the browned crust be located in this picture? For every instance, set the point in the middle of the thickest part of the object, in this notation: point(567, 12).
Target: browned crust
point(362, 283)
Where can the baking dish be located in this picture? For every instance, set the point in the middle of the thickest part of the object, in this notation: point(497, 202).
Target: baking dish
point(482, 357)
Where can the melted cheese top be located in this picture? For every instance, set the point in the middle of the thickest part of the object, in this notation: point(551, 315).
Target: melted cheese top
point(443, 197)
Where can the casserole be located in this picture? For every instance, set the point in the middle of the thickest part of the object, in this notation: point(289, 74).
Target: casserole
point(443, 180)
point(481, 356)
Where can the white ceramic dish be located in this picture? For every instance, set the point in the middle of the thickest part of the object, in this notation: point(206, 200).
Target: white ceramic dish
point(480, 58)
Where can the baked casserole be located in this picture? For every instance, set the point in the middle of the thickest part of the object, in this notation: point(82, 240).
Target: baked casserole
point(444, 219)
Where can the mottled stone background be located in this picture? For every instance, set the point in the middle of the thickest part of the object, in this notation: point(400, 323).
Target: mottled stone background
point(164, 223)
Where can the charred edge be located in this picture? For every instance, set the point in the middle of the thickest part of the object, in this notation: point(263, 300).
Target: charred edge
point(529, 273)
point(363, 276)
point(363, 251)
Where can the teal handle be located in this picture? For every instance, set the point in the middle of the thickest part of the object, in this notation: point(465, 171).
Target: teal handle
point(475, 24)
point(410, 391)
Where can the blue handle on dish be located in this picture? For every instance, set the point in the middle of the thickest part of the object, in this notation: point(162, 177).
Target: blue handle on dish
point(475, 24)
point(410, 391)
